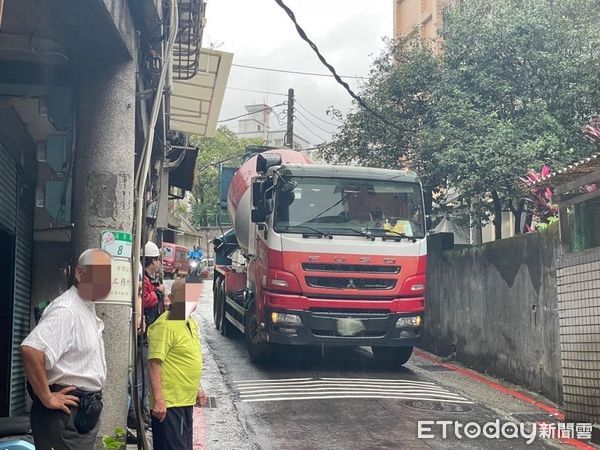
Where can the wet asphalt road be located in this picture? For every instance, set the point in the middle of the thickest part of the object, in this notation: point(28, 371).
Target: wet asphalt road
point(304, 399)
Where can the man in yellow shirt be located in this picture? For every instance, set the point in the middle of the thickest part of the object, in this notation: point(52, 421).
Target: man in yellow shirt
point(175, 369)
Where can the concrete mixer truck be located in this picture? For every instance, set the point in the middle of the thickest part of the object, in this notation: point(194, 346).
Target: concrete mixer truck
point(332, 255)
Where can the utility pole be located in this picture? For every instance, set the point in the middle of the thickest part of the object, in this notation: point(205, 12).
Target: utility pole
point(103, 200)
point(289, 135)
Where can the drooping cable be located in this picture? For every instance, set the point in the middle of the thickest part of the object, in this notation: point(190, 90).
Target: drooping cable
point(340, 81)
point(296, 72)
point(305, 117)
point(307, 128)
point(314, 115)
point(250, 113)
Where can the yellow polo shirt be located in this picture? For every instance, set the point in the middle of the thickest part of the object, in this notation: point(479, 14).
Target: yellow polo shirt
point(176, 344)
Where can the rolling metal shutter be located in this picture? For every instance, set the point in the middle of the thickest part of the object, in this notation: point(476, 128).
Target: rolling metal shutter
point(16, 216)
point(22, 302)
point(8, 190)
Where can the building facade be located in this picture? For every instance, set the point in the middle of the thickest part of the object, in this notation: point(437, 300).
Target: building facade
point(418, 17)
point(257, 125)
point(78, 81)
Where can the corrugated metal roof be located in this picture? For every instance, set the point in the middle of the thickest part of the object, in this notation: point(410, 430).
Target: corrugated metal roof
point(571, 172)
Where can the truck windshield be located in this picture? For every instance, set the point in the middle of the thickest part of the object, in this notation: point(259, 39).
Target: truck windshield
point(343, 206)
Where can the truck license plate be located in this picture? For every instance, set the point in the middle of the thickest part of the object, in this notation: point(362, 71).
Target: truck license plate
point(349, 326)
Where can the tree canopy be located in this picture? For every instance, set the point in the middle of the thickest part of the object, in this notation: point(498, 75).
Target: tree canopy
point(509, 90)
point(223, 146)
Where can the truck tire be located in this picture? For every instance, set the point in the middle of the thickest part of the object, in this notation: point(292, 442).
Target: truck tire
point(392, 356)
point(217, 308)
point(258, 349)
point(224, 325)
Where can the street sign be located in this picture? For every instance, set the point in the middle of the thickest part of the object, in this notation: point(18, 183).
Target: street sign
point(120, 293)
point(117, 243)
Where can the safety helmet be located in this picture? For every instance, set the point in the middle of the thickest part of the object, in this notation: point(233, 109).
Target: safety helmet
point(151, 250)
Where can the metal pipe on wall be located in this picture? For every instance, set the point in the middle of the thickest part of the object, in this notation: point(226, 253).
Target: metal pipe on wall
point(140, 200)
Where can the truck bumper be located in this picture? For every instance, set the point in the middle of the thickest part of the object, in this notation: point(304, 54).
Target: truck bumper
point(338, 327)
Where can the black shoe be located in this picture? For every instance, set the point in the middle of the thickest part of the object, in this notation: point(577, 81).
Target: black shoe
point(131, 437)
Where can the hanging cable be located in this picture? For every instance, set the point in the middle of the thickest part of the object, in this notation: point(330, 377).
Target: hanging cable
point(296, 72)
point(337, 77)
point(337, 125)
point(309, 129)
point(250, 113)
point(256, 91)
point(312, 123)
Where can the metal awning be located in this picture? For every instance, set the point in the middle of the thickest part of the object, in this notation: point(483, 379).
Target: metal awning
point(578, 172)
point(196, 103)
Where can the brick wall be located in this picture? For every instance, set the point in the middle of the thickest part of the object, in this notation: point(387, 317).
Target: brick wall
point(578, 290)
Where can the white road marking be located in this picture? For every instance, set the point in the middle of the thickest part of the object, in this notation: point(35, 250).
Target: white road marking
point(339, 386)
point(327, 397)
point(382, 380)
point(343, 388)
point(279, 379)
point(346, 380)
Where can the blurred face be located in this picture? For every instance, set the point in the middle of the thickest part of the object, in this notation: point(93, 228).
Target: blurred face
point(155, 266)
point(184, 299)
point(94, 281)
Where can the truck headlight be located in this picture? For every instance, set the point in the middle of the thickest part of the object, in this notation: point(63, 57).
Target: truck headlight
point(410, 321)
point(292, 319)
point(280, 283)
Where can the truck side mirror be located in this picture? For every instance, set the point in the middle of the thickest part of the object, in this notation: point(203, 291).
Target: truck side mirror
point(428, 222)
point(257, 192)
point(266, 160)
point(258, 215)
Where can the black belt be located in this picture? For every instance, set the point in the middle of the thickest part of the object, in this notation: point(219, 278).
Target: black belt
point(79, 393)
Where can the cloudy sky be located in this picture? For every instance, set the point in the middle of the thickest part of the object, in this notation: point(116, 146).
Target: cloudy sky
point(349, 33)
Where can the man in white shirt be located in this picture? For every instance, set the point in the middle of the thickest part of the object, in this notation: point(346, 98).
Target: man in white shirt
point(64, 360)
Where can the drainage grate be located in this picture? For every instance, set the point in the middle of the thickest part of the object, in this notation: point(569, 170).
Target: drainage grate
point(438, 406)
point(535, 418)
point(435, 368)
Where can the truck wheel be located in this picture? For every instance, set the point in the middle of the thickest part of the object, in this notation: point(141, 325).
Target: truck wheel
point(392, 356)
point(258, 349)
point(224, 325)
point(217, 308)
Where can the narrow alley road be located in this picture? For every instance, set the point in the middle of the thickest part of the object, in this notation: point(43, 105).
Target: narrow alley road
point(340, 399)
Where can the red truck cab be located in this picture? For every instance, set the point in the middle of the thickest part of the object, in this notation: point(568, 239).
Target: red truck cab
point(174, 260)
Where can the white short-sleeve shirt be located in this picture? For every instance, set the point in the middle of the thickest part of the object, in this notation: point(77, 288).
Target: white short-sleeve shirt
point(70, 335)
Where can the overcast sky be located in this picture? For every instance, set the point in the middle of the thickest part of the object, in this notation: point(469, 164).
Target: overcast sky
point(349, 33)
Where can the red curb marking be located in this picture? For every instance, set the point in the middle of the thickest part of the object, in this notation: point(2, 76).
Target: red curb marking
point(478, 377)
point(199, 429)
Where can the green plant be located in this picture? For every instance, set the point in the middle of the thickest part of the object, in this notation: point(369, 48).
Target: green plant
point(116, 441)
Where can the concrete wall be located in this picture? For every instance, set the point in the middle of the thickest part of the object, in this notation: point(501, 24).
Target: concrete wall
point(579, 316)
point(494, 308)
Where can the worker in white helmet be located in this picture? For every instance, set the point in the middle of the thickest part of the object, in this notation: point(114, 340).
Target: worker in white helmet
point(152, 293)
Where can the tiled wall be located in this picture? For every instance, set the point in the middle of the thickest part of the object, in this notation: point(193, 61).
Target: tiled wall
point(578, 286)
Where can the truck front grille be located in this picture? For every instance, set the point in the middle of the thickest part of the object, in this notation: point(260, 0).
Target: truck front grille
point(351, 283)
point(357, 268)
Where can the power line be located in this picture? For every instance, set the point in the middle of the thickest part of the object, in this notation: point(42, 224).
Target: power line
point(250, 113)
point(312, 123)
point(309, 129)
point(337, 77)
point(297, 72)
point(337, 125)
point(220, 162)
point(256, 90)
